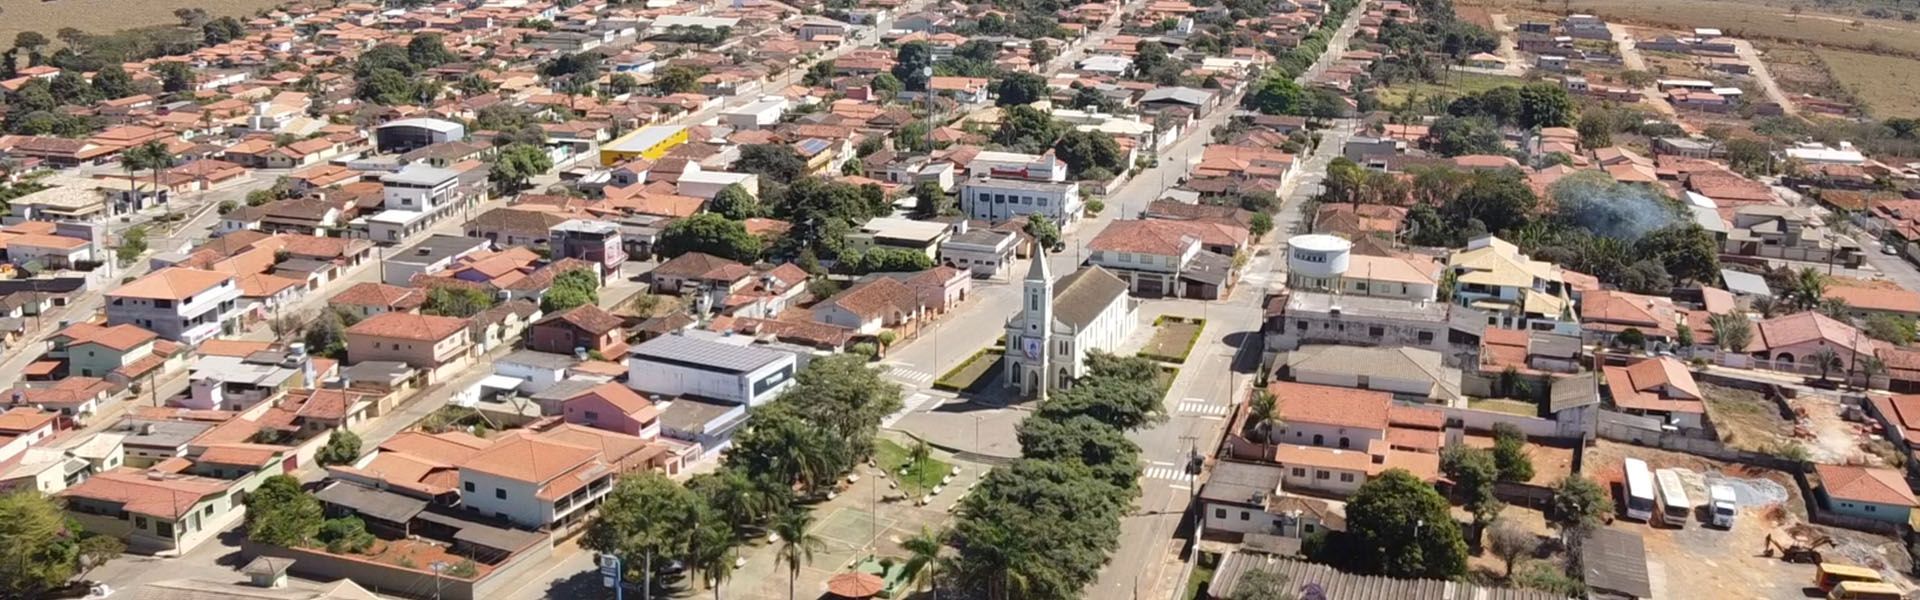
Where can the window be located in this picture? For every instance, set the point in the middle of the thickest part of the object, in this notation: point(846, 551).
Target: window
point(1376, 331)
point(1426, 337)
point(1299, 472)
point(500, 493)
point(1243, 515)
point(1322, 475)
point(592, 416)
point(1219, 513)
point(163, 528)
point(1871, 508)
point(1346, 478)
point(1307, 529)
point(140, 522)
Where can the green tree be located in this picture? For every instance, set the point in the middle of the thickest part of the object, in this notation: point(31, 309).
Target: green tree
point(1596, 131)
point(1027, 129)
point(427, 51)
point(1277, 95)
point(1578, 505)
point(797, 546)
point(819, 75)
point(930, 201)
point(1044, 233)
point(1401, 527)
point(1630, 338)
point(517, 164)
point(923, 558)
point(175, 76)
point(222, 30)
point(678, 79)
point(1457, 136)
point(735, 202)
point(280, 513)
point(37, 544)
point(1686, 251)
point(1261, 224)
point(1473, 471)
point(772, 162)
point(645, 520)
point(345, 535)
point(1021, 87)
point(72, 89)
point(1084, 151)
point(570, 289)
point(1732, 331)
point(910, 65)
point(710, 233)
point(95, 550)
point(1083, 439)
point(887, 85)
point(1545, 105)
point(343, 447)
point(454, 301)
point(743, 499)
point(891, 260)
point(1890, 328)
point(327, 335)
point(133, 243)
point(1510, 453)
point(113, 82)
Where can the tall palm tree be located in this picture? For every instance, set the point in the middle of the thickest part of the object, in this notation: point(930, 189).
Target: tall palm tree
point(1809, 288)
point(153, 156)
point(797, 545)
point(924, 558)
point(1870, 366)
point(1260, 418)
point(720, 570)
point(918, 454)
point(713, 554)
point(1825, 358)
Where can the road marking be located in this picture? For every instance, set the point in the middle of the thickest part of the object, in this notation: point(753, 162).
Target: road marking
point(1168, 473)
point(1196, 406)
point(906, 375)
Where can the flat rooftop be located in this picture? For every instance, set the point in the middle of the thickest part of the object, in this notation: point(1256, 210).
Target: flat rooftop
point(1393, 308)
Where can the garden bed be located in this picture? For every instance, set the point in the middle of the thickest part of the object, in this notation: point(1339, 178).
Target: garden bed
point(920, 477)
point(972, 373)
point(1173, 339)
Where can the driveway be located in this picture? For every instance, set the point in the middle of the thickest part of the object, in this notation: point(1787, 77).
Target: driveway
point(1760, 73)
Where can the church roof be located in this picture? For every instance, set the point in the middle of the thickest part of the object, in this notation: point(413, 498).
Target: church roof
point(1079, 298)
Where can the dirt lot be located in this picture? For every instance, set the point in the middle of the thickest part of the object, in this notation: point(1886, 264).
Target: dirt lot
point(1705, 562)
point(1745, 419)
point(1798, 70)
point(96, 16)
point(1756, 19)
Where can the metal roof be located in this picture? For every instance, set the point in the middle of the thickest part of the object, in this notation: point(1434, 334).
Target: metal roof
point(710, 354)
point(1337, 585)
point(1616, 561)
point(439, 125)
point(379, 504)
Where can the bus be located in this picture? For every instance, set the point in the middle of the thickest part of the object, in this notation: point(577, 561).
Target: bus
point(1829, 575)
point(1675, 509)
point(1639, 489)
point(1865, 590)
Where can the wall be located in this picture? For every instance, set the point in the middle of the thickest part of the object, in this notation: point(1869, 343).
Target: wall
point(1483, 421)
point(390, 579)
point(673, 380)
point(519, 506)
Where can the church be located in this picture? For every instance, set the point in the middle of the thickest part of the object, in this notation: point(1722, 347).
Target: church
point(1060, 322)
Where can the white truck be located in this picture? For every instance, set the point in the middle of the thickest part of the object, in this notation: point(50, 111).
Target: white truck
point(1721, 501)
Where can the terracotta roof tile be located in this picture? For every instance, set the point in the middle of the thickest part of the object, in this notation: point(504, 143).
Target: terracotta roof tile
point(1875, 485)
point(1308, 403)
point(408, 326)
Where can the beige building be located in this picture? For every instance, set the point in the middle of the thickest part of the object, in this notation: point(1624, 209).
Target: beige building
point(420, 341)
point(153, 512)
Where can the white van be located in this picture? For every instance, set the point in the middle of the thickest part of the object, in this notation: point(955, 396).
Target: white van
point(1722, 504)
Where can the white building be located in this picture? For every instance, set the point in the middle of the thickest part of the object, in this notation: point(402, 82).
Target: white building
point(676, 365)
point(534, 482)
point(1015, 165)
point(996, 200)
point(180, 304)
point(707, 184)
point(765, 112)
point(1817, 153)
point(1326, 263)
point(1057, 326)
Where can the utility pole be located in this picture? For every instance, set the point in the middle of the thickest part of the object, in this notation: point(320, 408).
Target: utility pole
point(437, 567)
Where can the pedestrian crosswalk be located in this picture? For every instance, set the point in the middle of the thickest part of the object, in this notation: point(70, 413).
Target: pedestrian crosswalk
point(1168, 472)
point(1196, 406)
point(903, 374)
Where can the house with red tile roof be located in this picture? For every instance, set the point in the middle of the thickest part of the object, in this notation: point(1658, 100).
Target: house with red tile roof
point(535, 482)
point(586, 328)
point(1791, 342)
point(370, 298)
point(1875, 493)
point(155, 513)
point(1659, 387)
point(1187, 259)
point(180, 304)
point(422, 341)
point(613, 407)
point(871, 306)
point(1866, 302)
point(1331, 440)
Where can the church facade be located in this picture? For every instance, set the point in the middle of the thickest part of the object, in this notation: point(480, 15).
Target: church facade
point(1060, 322)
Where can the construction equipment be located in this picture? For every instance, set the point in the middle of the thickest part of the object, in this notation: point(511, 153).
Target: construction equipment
point(1798, 552)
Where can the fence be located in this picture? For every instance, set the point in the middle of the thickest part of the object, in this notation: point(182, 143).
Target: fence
point(1483, 421)
point(1650, 432)
point(416, 582)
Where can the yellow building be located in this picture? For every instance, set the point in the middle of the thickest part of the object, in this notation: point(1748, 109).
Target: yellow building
point(649, 143)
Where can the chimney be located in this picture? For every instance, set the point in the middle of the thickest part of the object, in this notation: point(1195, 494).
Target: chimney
point(146, 429)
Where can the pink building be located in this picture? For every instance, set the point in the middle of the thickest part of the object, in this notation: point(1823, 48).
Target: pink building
point(613, 407)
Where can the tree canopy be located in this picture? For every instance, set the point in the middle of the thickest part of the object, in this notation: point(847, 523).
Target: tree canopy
point(37, 544)
point(1398, 526)
point(710, 233)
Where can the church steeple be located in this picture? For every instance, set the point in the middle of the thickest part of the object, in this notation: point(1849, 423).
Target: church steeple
point(1036, 335)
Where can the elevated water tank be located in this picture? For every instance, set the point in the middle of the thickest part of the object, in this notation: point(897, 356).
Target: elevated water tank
point(1317, 255)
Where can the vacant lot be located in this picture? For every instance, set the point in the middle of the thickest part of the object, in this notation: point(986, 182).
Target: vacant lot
point(1798, 70)
point(1455, 83)
point(1746, 419)
point(1757, 19)
point(99, 16)
point(1885, 84)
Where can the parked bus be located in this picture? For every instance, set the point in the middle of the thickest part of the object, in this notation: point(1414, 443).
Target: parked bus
point(1675, 509)
point(1830, 575)
point(1722, 502)
point(1865, 590)
point(1639, 490)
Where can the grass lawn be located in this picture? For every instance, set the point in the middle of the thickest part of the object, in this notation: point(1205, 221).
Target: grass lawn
point(1512, 407)
point(1164, 380)
point(970, 374)
point(1454, 84)
point(1173, 339)
point(1885, 84)
point(1202, 575)
point(920, 478)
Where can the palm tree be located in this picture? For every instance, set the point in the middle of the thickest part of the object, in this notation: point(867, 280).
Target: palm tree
point(1260, 417)
point(797, 545)
point(917, 455)
point(925, 557)
point(713, 555)
point(1825, 358)
point(1768, 306)
point(1809, 287)
point(151, 155)
point(1834, 307)
point(1870, 366)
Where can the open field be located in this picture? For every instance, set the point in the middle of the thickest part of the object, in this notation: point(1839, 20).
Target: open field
point(1798, 70)
point(1746, 18)
point(99, 16)
point(1885, 84)
point(1454, 83)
